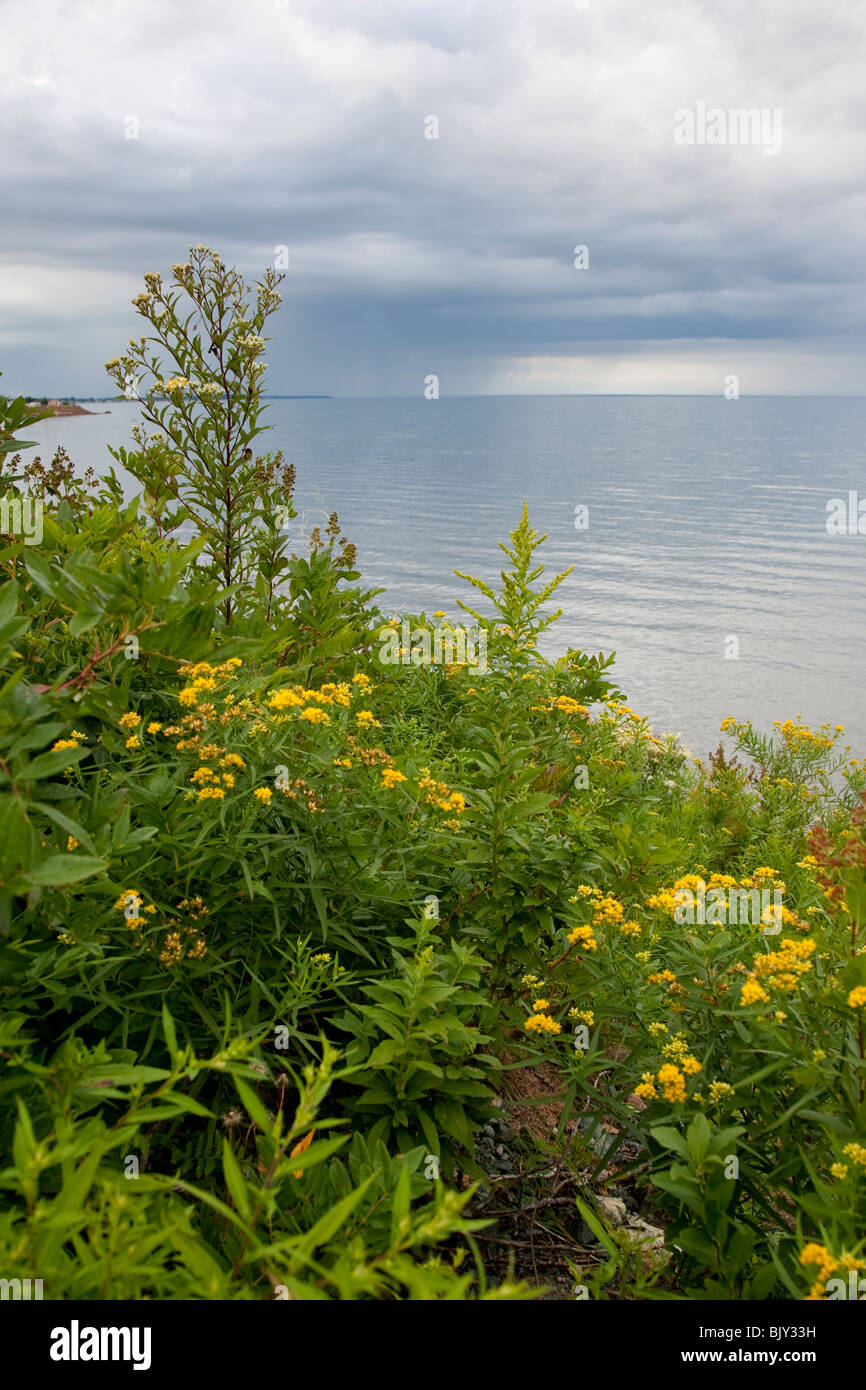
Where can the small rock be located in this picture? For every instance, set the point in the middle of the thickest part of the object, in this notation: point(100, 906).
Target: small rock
point(650, 1240)
point(613, 1210)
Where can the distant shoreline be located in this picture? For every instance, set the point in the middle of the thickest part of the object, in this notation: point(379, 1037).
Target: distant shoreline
point(64, 408)
point(70, 407)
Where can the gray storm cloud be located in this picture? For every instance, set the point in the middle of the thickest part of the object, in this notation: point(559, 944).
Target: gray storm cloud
point(129, 130)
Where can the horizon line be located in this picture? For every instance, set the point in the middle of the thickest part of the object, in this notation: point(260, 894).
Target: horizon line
point(504, 395)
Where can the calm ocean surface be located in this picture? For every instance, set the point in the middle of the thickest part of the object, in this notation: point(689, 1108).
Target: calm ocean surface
point(707, 519)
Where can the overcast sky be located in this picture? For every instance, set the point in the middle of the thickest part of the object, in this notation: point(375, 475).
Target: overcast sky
point(261, 124)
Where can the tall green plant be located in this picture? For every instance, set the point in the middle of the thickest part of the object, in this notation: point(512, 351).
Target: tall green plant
point(518, 605)
point(199, 379)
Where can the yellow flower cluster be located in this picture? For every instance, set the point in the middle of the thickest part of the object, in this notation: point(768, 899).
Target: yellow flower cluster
point(567, 705)
point(542, 1023)
point(799, 736)
point(856, 1153)
point(434, 792)
point(202, 677)
point(206, 777)
point(129, 903)
point(667, 899)
point(660, 977)
point(297, 696)
point(287, 699)
point(438, 794)
point(780, 969)
point(672, 1081)
point(584, 937)
point(819, 1257)
point(857, 997)
point(313, 715)
point(391, 777)
point(677, 1050)
point(647, 1088)
point(263, 794)
point(63, 744)
point(607, 910)
point(753, 993)
point(720, 1089)
point(625, 710)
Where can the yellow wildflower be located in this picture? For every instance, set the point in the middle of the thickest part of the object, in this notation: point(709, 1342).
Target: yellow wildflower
point(542, 1023)
point(391, 777)
point(584, 937)
point(753, 993)
point(673, 1081)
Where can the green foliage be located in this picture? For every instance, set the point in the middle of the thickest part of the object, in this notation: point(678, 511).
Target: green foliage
point(15, 416)
point(518, 604)
point(275, 904)
point(417, 1048)
point(199, 380)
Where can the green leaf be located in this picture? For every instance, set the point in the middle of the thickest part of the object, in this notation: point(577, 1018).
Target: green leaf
point(596, 1226)
point(698, 1137)
point(253, 1105)
point(385, 1052)
point(670, 1139)
point(235, 1181)
point(169, 1031)
point(57, 870)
